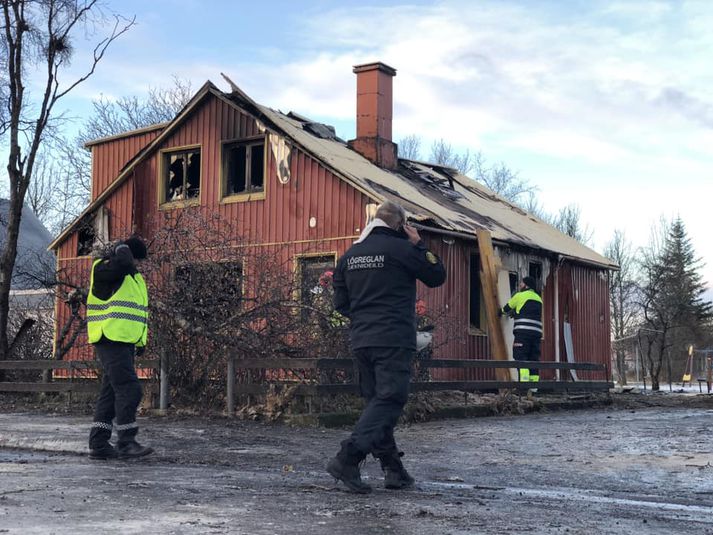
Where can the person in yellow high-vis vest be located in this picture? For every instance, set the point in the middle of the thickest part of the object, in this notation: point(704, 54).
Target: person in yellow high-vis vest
point(525, 307)
point(117, 316)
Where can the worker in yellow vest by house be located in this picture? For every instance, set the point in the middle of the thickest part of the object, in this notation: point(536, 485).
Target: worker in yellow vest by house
point(525, 307)
point(117, 314)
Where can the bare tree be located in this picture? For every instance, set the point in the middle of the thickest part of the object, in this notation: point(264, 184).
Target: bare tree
point(410, 147)
point(442, 153)
point(42, 191)
point(569, 221)
point(37, 36)
point(71, 176)
point(622, 296)
point(503, 181)
point(112, 117)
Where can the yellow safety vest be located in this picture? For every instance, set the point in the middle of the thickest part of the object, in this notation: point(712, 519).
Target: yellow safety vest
point(520, 298)
point(121, 318)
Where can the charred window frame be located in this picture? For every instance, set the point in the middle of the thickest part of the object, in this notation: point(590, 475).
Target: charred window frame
point(181, 174)
point(535, 271)
point(309, 270)
point(93, 230)
point(244, 168)
point(86, 238)
point(475, 294)
point(208, 290)
point(514, 281)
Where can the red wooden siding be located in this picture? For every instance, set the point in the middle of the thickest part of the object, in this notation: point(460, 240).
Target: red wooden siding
point(109, 158)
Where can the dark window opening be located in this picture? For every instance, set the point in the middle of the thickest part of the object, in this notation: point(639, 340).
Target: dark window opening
point(314, 290)
point(475, 291)
point(182, 175)
point(209, 290)
point(244, 167)
point(514, 282)
point(87, 236)
point(535, 271)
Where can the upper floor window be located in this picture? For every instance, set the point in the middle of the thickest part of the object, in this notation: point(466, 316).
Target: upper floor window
point(244, 167)
point(181, 174)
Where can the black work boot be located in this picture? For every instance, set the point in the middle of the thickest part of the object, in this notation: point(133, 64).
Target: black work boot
point(103, 453)
point(395, 475)
point(133, 450)
point(349, 474)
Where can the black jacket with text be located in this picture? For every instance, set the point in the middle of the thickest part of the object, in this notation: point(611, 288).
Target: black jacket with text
point(375, 287)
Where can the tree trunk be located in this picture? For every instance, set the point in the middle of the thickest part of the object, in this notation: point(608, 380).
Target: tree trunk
point(621, 366)
point(7, 260)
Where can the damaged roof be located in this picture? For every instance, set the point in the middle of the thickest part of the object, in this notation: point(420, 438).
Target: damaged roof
point(433, 195)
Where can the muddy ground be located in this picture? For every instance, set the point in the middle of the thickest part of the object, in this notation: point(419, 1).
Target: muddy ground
point(645, 465)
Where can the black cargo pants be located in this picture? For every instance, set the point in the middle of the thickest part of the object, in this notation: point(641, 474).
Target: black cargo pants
point(384, 374)
point(119, 396)
point(527, 347)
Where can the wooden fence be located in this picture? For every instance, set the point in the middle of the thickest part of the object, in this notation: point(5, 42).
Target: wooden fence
point(309, 390)
point(74, 382)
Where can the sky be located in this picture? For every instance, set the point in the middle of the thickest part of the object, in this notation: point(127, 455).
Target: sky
point(604, 104)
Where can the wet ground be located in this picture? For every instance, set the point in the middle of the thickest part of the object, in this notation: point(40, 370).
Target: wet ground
point(620, 470)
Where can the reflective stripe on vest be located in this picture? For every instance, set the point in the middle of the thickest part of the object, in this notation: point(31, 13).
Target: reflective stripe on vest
point(121, 318)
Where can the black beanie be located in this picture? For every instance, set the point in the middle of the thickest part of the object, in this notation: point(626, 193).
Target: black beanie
point(137, 246)
point(530, 282)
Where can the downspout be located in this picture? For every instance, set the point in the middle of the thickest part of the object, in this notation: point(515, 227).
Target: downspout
point(557, 314)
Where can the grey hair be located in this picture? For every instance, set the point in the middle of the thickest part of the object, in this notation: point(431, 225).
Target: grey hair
point(392, 214)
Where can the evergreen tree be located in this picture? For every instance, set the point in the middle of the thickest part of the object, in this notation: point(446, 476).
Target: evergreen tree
point(673, 309)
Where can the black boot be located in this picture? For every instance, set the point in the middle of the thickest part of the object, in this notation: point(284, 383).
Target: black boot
point(103, 453)
point(395, 475)
point(345, 467)
point(133, 450)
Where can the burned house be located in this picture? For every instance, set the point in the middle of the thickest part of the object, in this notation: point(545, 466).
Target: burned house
point(285, 179)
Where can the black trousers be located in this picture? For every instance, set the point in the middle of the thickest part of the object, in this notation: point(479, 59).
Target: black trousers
point(384, 374)
point(527, 347)
point(119, 396)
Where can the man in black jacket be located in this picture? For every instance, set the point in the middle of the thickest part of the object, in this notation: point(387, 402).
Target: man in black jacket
point(117, 312)
point(375, 287)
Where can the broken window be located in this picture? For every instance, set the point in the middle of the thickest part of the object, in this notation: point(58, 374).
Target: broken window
point(86, 238)
point(244, 167)
point(209, 290)
point(535, 271)
point(93, 230)
point(182, 174)
point(514, 282)
point(313, 286)
point(475, 292)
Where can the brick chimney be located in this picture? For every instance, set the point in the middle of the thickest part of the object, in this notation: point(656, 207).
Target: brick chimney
point(374, 114)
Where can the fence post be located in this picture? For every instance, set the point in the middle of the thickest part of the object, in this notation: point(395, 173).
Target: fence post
point(230, 394)
point(163, 382)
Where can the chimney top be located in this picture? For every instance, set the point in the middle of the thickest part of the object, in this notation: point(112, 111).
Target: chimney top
point(375, 66)
point(374, 114)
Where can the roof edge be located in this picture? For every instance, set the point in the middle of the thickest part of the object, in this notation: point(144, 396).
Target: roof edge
point(128, 133)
